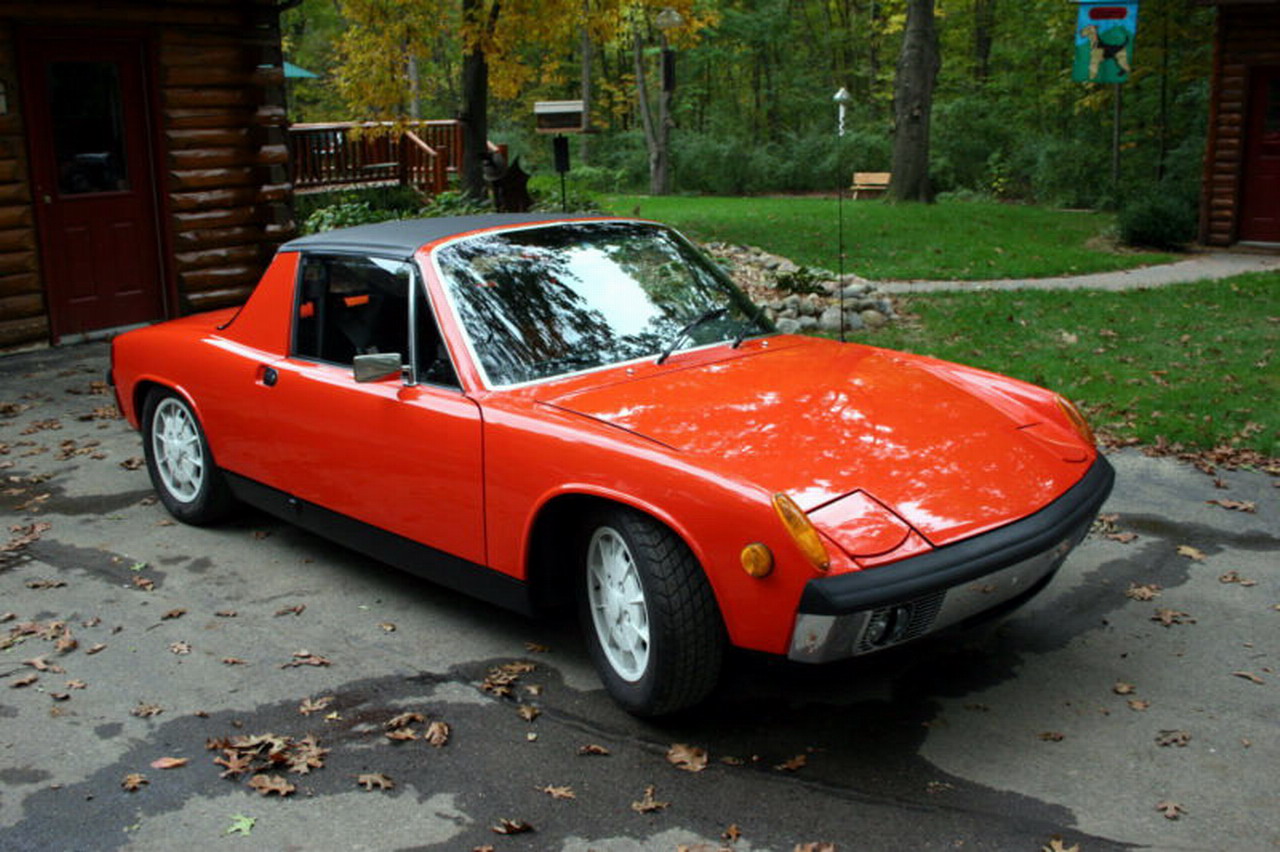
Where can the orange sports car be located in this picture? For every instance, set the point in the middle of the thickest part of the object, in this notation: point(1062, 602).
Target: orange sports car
point(544, 409)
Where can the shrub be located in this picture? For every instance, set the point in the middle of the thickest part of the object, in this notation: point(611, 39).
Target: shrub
point(1159, 219)
point(345, 215)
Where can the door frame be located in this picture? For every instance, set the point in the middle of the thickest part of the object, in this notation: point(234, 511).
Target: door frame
point(27, 40)
point(1249, 143)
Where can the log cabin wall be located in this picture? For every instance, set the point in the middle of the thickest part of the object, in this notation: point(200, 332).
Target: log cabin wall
point(218, 148)
point(1248, 36)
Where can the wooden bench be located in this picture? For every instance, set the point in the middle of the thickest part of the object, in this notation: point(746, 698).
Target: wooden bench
point(870, 184)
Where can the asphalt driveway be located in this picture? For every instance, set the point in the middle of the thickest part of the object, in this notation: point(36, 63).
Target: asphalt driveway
point(1134, 704)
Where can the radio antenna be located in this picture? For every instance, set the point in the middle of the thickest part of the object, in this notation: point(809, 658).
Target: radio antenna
point(842, 98)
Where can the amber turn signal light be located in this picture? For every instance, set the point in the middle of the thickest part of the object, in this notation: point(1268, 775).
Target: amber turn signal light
point(802, 531)
point(757, 560)
point(1077, 420)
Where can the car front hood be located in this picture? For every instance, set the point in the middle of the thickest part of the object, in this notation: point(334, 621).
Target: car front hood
point(820, 421)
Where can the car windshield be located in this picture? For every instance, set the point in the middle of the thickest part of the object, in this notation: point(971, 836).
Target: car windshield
point(541, 302)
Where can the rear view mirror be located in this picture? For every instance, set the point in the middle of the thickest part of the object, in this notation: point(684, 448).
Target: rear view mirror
point(374, 368)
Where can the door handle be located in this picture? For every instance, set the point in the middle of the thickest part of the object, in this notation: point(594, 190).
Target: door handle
point(269, 376)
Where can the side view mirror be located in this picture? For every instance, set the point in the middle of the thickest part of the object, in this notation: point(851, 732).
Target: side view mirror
point(376, 367)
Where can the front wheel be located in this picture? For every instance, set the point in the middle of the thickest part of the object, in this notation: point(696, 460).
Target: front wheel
point(179, 461)
point(649, 614)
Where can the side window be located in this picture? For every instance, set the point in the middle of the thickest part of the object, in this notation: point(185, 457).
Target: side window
point(351, 305)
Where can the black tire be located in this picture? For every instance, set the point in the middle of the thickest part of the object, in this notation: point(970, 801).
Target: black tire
point(182, 469)
point(658, 641)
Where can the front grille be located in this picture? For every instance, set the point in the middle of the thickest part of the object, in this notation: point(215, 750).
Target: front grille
point(903, 622)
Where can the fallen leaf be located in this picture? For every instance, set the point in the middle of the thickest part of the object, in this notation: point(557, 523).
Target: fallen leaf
point(146, 711)
point(268, 784)
point(593, 750)
point(1122, 537)
point(795, 763)
point(1250, 676)
point(1138, 704)
point(405, 719)
point(41, 665)
point(1057, 844)
point(144, 583)
point(437, 734)
point(180, 648)
point(234, 661)
point(173, 613)
point(559, 792)
point(511, 826)
point(45, 584)
point(169, 762)
point(814, 847)
point(1234, 577)
point(387, 627)
point(76, 684)
point(305, 658)
point(236, 763)
point(528, 712)
point(536, 648)
point(1052, 736)
point(732, 834)
point(1170, 617)
point(96, 648)
point(375, 780)
point(133, 462)
point(686, 757)
point(647, 803)
point(401, 734)
point(134, 781)
point(306, 755)
point(314, 705)
point(1173, 738)
point(1235, 505)
point(1192, 553)
point(241, 824)
point(1171, 810)
point(296, 609)
point(1144, 592)
point(226, 613)
point(1122, 688)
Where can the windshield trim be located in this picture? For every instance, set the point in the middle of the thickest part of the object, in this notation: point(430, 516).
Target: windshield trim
point(478, 365)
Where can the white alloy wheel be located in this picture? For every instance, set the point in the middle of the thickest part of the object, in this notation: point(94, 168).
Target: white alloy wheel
point(616, 597)
point(178, 450)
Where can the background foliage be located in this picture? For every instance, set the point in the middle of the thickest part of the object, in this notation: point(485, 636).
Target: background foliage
point(753, 109)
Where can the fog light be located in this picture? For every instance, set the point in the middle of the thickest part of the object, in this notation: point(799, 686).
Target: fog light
point(877, 627)
point(757, 560)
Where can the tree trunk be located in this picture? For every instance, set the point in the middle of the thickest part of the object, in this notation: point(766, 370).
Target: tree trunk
point(657, 133)
point(584, 146)
point(917, 71)
point(984, 24)
point(475, 102)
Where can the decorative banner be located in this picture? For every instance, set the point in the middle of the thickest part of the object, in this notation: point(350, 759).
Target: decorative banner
point(1104, 41)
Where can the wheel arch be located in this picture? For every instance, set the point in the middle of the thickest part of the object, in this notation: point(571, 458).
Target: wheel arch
point(555, 524)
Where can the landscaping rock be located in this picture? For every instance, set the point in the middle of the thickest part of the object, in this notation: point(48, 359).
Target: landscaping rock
point(776, 283)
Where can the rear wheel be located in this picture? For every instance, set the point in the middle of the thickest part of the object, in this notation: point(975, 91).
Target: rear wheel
point(178, 459)
point(648, 613)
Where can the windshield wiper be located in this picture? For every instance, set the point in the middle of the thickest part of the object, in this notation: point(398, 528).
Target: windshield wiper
point(755, 323)
point(704, 317)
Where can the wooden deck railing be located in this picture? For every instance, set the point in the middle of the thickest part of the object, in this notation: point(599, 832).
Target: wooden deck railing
point(421, 154)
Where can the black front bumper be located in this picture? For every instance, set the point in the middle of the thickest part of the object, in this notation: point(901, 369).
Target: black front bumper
point(923, 594)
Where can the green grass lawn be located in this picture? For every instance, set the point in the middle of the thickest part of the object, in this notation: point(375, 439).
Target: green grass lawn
point(1192, 364)
point(945, 241)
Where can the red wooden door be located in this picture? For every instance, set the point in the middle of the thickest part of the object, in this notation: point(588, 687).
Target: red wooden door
point(93, 184)
point(1260, 205)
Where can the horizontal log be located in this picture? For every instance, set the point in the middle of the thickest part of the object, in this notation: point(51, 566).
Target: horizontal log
point(206, 238)
point(80, 13)
point(188, 261)
point(18, 262)
point(225, 136)
point(239, 75)
point(208, 117)
point(184, 97)
point(20, 282)
point(279, 232)
point(275, 192)
point(207, 158)
point(209, 300)
point(211, 178)
point(25, 331)
point(218, 218)
point(22, 305)
point(223, 54)
point(218, 278)
point(211, 199)
point(14, 215)
point(14, 193)
point(11, 123)
point(17, 239)
point(11, 170)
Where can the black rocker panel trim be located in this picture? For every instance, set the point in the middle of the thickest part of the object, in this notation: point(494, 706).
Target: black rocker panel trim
point(966, 560)
point(462, 575)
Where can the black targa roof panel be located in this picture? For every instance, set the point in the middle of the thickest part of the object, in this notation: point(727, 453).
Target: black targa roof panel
point(404, 237)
